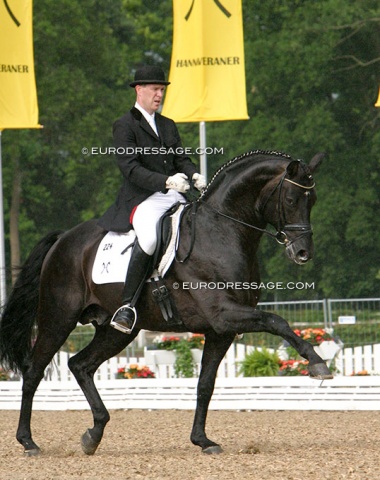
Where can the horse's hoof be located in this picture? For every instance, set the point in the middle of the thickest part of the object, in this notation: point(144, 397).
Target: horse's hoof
point(320, 371)
point(213, 450)
point(89, 446)
point(33, 452)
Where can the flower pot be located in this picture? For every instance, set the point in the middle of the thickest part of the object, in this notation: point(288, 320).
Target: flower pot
point(197, 355)
point(327, 350)
point(159, 357)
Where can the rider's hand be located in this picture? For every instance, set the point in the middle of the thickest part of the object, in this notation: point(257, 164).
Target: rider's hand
point(178, 182)
point(199, 181)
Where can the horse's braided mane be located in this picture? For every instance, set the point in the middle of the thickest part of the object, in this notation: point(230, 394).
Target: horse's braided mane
point(237, 159)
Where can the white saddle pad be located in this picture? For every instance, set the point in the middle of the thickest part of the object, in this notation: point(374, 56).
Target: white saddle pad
point(112, 259)
point(113, 255)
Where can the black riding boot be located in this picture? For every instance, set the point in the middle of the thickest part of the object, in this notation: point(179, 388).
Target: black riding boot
point(125, 317)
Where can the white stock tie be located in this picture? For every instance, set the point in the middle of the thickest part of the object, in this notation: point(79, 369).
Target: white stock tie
point(152, 123)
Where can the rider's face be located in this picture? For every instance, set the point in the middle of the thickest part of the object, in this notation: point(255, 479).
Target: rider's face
point(149, 97)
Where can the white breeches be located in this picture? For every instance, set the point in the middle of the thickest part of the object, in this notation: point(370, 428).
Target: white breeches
point(147, 215)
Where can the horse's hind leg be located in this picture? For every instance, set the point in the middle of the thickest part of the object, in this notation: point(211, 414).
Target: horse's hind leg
point(46, 346)
point(106, 343)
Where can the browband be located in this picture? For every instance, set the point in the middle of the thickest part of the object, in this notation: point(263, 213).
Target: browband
point(299, 185)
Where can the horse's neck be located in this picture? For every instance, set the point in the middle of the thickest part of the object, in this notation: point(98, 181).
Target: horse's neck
point(231, 248)
point(237, 195)
point(240, 187)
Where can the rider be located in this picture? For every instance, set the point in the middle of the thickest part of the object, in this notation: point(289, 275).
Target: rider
point(156, 174)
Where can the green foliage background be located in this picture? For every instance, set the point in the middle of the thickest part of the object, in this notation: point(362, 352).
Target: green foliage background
point(312, 77)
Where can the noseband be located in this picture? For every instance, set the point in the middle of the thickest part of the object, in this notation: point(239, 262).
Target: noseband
point(282, 227)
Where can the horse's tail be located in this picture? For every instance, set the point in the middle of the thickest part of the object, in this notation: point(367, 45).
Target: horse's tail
point(19, 312)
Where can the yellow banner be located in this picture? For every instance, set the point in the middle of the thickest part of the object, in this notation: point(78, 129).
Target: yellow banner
point(18, 96)
point(377, 104)
point(207, 71)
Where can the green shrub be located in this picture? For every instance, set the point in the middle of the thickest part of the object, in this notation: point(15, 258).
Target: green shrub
point(184, 365)
point(4, 375)
point(260, 363)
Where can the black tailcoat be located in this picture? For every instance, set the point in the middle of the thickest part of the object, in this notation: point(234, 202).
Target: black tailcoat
point(146, 161)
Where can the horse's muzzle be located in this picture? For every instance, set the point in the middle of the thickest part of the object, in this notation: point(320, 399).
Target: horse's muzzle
point(300, 248)
point(300, 254)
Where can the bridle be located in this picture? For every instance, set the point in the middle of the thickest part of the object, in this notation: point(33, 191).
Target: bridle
point(280, 236)
point(282, 227)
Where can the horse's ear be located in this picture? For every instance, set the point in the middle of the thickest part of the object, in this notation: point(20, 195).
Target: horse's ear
point(316, 161)
point(292, 168)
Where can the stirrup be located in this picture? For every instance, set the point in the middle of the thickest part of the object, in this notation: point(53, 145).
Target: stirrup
point(118, 326)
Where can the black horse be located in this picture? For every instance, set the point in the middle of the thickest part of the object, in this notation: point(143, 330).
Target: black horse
point(222, 230)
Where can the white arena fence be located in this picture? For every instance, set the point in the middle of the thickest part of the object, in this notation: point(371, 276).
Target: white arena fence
point(59, 390)
point(255, 393)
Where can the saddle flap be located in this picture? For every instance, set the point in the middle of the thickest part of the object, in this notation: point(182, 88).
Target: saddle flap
point(164, 232)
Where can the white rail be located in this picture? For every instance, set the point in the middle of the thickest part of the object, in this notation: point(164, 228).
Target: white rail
point(260, 393)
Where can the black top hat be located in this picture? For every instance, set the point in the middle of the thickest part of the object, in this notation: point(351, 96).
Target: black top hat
point(149, 74)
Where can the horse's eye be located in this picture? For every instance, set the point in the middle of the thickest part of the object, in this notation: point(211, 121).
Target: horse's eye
point(290, 201)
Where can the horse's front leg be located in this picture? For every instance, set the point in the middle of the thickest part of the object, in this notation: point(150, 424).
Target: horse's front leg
point(317, 367)
point(214, 350)
point(241, 319)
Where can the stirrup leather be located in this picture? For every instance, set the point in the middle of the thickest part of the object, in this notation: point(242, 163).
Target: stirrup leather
point(122, 328)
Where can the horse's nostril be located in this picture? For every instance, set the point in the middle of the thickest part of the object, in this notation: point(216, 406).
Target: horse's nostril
point(303, 255)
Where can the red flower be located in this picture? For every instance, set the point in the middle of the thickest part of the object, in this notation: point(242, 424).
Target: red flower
point(135, 371)
point(293, 367)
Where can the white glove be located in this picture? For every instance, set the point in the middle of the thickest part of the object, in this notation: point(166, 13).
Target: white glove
point(199, 181)
point(178, 182)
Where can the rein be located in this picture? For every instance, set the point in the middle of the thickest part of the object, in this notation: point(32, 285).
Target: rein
point(194, 208)
point(276, 235)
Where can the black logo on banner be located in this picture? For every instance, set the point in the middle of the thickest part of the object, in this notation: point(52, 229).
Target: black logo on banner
point(217, 3)
point(11, 13)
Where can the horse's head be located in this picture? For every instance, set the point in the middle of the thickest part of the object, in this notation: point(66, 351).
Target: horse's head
point(262, 187)
point(289, 205)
